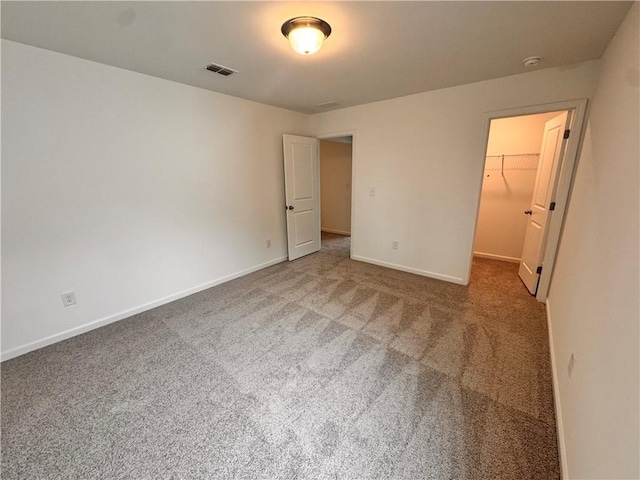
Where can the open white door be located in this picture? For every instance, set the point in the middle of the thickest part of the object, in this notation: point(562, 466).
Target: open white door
point(302, 194)
point(551, 154)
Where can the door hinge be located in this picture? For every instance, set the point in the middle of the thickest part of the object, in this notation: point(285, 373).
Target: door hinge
point(539, 269)
point(567, 132)
point(552, 206)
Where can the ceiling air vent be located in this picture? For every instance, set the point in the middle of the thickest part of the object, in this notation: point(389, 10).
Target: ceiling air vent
point(221, 69)
point(330, 104)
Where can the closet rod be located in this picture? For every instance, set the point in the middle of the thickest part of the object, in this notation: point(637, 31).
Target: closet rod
point(511, 155)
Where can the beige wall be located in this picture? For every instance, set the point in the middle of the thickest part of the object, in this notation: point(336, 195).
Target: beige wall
point(501, 221)
point(127, 189)
point(517, 134)
point(594, 299)
point(424, 155)
point(335, 186)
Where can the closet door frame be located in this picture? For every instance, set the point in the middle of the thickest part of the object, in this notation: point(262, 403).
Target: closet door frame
point(578, 109)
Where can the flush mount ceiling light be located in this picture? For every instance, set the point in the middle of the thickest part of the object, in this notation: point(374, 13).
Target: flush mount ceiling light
point(306, 34)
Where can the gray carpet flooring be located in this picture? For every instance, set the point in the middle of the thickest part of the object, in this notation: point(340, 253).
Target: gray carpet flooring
point(319, 368)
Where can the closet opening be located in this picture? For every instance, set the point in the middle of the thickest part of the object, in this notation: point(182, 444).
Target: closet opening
point(336, 166)
point(524, 158)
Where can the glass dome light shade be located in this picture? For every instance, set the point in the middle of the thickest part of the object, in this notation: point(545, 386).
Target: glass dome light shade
point(306, 34)
point(306, 40)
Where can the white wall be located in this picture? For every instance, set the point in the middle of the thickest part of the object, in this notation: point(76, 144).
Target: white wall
point(127, 189)
point(594, 299)
point(516, 135)
point(424, 155)
point(335, 186)
point(502, 223)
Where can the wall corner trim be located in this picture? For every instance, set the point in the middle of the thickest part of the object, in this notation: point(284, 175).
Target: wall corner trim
point(492, 256)
point(424, 273)
point(562, 451)
point(72, 332)
point(333, 230)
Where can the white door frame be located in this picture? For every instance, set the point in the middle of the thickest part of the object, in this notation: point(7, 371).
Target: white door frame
point(352, 134)
point(565, 180)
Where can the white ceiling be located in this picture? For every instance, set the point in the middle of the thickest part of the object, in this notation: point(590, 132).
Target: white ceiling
point(378, 50)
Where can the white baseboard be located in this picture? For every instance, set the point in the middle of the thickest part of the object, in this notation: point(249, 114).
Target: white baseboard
point(562, 452)
point(491, 256)
point(72, 332)
point(424, 273)
point(331, 230)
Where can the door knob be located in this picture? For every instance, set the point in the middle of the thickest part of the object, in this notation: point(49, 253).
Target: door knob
point(290, 207)
point(528, 212)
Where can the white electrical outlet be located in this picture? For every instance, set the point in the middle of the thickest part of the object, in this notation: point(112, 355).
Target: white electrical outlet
point(68, 299)
point(372, 191)
point(395, 244)
point(572, 362)
point(268, 243)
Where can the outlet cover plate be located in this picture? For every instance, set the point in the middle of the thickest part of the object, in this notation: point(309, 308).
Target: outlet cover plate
point(68, 299)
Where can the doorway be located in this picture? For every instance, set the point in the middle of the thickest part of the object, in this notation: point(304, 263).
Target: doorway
point(336, 165)
point(303, 192)
point(511, 164)
point(529, 160)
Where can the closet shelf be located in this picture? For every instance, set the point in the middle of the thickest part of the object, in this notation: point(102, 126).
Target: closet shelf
point(516, 161)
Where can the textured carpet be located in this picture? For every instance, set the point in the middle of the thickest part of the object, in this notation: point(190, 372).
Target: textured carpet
point(318, 368)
